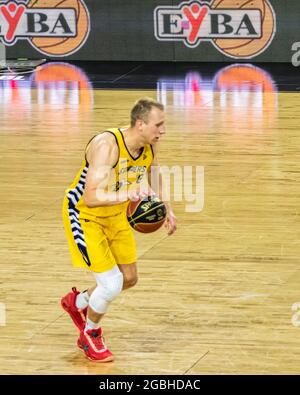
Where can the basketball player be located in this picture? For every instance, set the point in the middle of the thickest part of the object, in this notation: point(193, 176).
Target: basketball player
point(94, 212)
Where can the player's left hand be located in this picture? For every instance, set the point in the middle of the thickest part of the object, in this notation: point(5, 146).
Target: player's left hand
point(170, 222)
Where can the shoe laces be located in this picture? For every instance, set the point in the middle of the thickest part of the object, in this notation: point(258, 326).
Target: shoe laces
point(97, 339)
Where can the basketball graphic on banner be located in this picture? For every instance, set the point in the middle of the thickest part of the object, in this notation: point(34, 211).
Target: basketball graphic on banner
point(247, 48)
point(63, 46)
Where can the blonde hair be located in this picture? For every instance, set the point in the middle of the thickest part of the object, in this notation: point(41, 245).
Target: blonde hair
point(142, 108)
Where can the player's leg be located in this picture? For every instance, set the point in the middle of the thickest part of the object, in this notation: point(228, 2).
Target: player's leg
point(109, 285)
point(90, 250)
point(74, 302)
point(130, 279)
point(130, 276)
point(123, 247)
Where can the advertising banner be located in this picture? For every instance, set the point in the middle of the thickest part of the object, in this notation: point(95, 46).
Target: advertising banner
point(154, 30)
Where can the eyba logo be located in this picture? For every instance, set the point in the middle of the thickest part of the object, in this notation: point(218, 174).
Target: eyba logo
point(55, 28)
point(237, 28)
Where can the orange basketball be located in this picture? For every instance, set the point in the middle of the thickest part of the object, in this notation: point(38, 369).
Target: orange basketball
point(247, 48)
point(63, 46)
point(146, 215)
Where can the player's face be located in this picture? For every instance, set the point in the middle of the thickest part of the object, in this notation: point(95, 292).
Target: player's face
point(154, 129)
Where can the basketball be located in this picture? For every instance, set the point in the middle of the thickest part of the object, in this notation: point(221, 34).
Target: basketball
point(63, 46)
point(146, 215)
point(247, 47)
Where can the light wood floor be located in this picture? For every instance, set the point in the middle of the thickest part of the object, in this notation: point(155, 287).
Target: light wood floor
point(214, 298)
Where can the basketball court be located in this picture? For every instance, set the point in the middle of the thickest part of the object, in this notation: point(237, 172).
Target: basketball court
point(222, 295)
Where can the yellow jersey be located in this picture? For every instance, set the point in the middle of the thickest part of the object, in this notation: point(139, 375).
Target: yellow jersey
point(126, 172)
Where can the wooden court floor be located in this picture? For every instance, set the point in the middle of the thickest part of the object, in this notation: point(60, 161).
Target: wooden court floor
point(218, 297)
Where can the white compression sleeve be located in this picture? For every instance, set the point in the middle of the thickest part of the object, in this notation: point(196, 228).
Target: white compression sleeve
point(109, 285)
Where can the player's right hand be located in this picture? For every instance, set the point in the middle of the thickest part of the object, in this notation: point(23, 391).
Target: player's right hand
point(140, 193)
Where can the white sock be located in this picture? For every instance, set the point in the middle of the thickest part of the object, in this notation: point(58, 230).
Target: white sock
point(91, 325)
point(82, 300)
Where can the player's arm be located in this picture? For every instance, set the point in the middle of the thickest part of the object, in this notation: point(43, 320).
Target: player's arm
point(156, 182)
point(102, 155)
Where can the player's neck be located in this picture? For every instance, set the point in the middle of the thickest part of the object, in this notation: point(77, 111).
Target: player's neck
point(132, 139)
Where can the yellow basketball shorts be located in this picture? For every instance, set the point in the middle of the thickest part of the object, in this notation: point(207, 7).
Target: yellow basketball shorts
point(98, 243)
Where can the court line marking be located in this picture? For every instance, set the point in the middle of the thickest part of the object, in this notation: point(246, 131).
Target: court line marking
point(198, 360)
point(129, 72)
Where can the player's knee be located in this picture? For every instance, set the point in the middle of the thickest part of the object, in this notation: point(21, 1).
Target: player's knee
point(130, 280)
point(114, 287)
point(106, 291)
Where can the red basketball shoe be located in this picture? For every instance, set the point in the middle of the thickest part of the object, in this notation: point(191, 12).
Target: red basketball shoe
point(68, 303)
point(79, 345)
point(93, 345)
